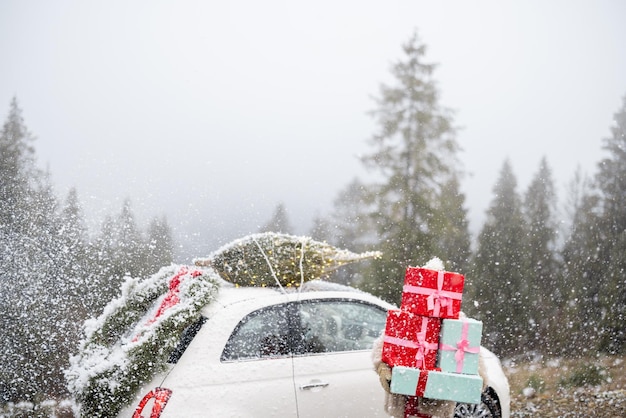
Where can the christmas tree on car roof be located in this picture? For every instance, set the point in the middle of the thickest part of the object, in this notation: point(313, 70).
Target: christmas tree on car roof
point(272, 259)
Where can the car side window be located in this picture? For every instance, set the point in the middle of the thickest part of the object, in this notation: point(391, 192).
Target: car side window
point(339, 325)
point(261, 334)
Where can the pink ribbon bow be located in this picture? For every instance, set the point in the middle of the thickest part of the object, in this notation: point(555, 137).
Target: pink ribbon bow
point(437, 298)
point(462, 347)
point(423, 344)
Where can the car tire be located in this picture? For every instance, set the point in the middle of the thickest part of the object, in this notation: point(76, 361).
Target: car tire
point(489, 407)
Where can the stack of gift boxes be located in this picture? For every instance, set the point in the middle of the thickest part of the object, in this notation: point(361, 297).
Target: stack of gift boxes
point(432, 353)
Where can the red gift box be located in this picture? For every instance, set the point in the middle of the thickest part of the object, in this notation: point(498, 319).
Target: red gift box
point(410, 340)
point(432, 293)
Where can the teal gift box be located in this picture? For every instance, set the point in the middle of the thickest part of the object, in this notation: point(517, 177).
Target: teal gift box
point(459, 345)
point(436, 384)
point(465, 388)
point(408, 380)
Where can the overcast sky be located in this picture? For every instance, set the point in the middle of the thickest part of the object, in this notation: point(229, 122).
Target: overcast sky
point(213, 112)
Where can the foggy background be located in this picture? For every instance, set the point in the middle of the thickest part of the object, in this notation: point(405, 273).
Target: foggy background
point(212, 113)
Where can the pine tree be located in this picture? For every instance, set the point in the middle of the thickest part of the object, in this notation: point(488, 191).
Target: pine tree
point(351, 226)
point(454, 240)
point(159, 245)
point(351, 219)
point(498, 284)
point(17, 173)
point(611, 182)
point(73, 234)
point(32, 281)
point(106, 275)
point(130, 252)
point(19, 251)
point(414, 154)
point(74, 229)
point(321, 229)
point(279, 221)
point(120, 252)
point(582, 267)
point(594, 254)
point(77, 258)
point(545, 296)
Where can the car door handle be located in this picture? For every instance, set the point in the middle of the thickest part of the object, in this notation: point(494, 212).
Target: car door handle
point(313, 385)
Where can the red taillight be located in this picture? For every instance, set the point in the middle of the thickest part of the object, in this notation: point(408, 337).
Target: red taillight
point(160, 395)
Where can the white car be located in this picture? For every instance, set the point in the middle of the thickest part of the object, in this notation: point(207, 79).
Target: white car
point(257, 352)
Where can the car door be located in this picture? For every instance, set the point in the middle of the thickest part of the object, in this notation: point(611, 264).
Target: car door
point(333, 371)
point(236, 367)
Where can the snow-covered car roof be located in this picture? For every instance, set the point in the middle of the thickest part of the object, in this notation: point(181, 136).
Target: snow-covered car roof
point(230, 294)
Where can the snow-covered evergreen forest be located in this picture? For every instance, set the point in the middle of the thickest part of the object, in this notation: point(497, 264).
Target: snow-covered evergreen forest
point(54, 273)
point(541, 283)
